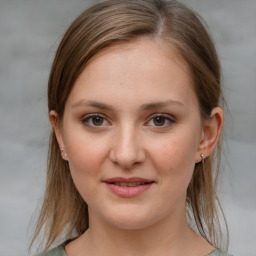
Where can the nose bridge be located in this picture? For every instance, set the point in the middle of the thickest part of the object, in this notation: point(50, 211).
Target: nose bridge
point(127, 147)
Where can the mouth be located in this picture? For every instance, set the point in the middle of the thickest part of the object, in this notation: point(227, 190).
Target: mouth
point(129, 184)
point(128, 187)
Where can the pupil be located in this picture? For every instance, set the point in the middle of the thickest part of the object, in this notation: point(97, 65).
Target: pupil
point(97, 120)
point(158, 121)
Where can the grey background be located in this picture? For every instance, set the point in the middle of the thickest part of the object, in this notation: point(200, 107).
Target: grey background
point(29, 33)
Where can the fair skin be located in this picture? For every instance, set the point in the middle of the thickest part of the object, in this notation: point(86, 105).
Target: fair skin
point(147, 126)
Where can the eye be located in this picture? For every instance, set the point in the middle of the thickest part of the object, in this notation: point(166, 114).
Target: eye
point(95, 120)
point(160, 120)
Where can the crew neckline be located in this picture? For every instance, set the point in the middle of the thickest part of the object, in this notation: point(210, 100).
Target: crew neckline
point(62, 247)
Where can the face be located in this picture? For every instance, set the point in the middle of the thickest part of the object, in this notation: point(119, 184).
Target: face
point(132, 130)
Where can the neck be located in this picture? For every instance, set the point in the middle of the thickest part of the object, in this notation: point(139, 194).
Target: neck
point(148, 241)
point(170, 236)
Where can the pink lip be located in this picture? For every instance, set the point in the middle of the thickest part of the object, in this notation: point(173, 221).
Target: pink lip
point(127, 180)
point(124, 191)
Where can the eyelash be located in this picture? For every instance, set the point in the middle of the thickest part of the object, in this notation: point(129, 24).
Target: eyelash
point(166, 117)
point(86, 119)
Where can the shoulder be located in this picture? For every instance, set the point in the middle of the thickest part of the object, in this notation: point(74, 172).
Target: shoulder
point(218, 253)
point(57, 251)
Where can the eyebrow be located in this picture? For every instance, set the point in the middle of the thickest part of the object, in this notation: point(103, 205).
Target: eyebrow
point(104, 106)
point(159, 104)
point(92, 103)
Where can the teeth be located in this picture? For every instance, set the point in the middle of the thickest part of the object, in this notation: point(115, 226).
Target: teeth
point(131, 184)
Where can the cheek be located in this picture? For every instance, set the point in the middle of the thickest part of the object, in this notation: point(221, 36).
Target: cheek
point(86, 156)
point(84, 163)
point(174, 159)
point(84, 149)
point(175, 151)
point(85, 159)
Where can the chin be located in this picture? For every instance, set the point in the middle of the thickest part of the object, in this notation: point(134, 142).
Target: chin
point(130, 224)
point(130, 219)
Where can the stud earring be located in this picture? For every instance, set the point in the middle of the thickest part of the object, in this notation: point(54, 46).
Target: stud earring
point(203, 158)
point(63, 150)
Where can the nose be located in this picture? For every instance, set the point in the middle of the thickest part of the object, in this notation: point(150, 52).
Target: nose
point(127, 149)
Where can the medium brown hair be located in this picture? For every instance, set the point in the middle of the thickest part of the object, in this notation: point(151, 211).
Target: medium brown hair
point(118, 21)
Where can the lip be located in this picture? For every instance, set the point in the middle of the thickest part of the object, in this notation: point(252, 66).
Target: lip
point(127, 180)
point(128, 191)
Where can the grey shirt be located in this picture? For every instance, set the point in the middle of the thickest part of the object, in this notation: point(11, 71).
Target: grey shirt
point(60, 251)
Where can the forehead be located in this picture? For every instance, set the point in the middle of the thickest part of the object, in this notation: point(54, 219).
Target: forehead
point(150, 55)
point(142, 70)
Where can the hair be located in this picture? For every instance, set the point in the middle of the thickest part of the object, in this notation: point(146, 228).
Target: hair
point(63, 211)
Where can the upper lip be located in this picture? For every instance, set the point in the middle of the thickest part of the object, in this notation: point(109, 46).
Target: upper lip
point(127, 180)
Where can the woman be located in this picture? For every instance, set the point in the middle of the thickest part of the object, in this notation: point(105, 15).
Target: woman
point(133, 97)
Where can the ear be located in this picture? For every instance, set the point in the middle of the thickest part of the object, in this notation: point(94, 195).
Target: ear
point(211, 131)
point(56, 125)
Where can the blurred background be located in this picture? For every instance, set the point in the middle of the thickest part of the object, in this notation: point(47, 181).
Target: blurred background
point(29, 34)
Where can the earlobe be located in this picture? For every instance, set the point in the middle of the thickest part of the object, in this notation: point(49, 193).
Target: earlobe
point(55, 122)
point(211, 131)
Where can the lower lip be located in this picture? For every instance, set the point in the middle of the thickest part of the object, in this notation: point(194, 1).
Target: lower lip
point(128, 191)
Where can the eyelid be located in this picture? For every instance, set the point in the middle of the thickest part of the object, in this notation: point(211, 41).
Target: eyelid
point(168, 117)
point(87, 117)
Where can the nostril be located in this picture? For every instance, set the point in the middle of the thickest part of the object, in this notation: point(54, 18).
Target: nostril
point(126, 150)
